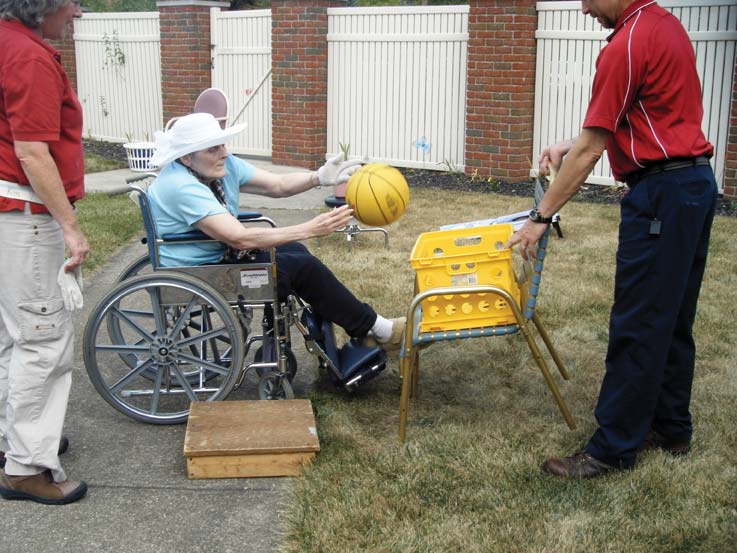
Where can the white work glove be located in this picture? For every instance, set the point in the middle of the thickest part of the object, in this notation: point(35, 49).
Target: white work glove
point(334, 172)
point(71, 286)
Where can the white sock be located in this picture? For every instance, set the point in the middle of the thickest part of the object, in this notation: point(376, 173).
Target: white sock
point(382, 328)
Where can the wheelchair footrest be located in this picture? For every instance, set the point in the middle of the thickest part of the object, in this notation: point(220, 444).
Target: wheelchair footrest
point(360, 363)
point(354, 362)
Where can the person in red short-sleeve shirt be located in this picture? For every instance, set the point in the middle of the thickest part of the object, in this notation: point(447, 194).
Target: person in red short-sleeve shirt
point(41, 176)
point(646, 111)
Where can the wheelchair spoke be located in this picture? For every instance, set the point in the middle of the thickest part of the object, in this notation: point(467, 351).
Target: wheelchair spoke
point(159, 315)
point(128, 348)
point(207, 336)
point(205, 364)
point(182, 318)
point(115, 388)
point(157, 391)
point(123, 315)
point(184, 384)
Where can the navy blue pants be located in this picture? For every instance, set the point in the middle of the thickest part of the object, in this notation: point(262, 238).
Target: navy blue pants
point(650, 360)
point(301, 273)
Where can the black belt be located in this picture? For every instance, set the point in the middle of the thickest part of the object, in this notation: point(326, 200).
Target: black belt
point(664, 166)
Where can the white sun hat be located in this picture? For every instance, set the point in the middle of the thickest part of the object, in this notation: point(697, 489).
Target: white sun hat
point(191, 133)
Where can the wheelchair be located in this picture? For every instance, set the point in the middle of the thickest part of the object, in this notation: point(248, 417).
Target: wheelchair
point(165, 337)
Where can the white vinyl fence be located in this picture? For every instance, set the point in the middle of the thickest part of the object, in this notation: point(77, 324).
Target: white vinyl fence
point(567, 47)
point(397, 84)
point(241, 67)
point(119, 75)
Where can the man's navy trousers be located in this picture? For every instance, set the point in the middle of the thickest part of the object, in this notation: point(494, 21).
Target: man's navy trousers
point(663, 242)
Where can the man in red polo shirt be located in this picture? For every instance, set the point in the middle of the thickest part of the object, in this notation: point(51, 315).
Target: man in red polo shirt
point(646, 112)
point(41, 176)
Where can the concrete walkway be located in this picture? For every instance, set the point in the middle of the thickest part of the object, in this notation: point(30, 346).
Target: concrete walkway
point(139, 496)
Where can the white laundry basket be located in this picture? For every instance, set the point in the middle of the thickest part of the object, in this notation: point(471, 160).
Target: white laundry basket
point(139, 154)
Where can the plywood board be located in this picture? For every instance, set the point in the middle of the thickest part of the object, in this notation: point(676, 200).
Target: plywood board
point(231, 439)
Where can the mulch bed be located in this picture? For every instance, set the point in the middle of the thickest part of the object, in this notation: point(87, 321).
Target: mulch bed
point(588, 193)
point(417, 178)
point(107, 150)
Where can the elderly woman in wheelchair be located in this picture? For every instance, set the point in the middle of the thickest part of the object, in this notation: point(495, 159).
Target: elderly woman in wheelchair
point(161, 340)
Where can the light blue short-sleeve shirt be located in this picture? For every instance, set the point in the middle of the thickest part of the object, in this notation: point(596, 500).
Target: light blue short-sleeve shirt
point(178, 200)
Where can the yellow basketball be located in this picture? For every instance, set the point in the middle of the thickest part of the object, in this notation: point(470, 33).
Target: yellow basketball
point(378, 194)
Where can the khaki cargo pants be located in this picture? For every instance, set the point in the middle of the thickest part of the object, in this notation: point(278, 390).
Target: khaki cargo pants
point(36, 344)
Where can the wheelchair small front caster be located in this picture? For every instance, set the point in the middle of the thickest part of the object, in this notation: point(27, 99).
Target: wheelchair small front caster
point(273, 385)
point(258, 357)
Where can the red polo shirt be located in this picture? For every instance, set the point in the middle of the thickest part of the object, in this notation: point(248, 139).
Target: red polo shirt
point(647, 92)
point(37, 104)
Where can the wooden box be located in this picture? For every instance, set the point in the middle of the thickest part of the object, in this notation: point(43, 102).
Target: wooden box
point(236, 439)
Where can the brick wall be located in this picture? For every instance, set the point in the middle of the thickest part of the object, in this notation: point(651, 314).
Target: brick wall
point(730, 158)
point(501, 87)
point(299, 81)
point(185, 54)
point(68, 57)
point(501, 80)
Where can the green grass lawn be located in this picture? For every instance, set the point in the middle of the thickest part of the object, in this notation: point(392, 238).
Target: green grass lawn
point(468, 477)
point(108, 222)
point(94, 163)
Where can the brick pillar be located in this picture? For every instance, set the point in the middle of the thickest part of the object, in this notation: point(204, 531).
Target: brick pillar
point(68, 57)
point(299, 81)
point(501, 87)
point(185, 52)
point(730, 156)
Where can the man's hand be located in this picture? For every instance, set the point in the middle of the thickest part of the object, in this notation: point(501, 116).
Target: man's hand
point(325, 223)
point(336, 172)
point(527, 237)
point(553, 156)
point(78, 248)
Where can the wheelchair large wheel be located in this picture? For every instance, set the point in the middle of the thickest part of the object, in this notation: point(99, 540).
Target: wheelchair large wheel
point(140, 266)
point(183, 335)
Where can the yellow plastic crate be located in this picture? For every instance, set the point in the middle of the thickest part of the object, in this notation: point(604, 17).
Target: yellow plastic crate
point(465, 257)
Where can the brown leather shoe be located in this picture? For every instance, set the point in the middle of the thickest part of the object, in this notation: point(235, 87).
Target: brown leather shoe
point(63, 446)
point(655, 440)
point(41, 488)
point(579, 465)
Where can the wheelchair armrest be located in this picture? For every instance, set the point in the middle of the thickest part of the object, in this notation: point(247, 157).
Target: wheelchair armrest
point(247, 215)
point(191, 236)
point(196, 235)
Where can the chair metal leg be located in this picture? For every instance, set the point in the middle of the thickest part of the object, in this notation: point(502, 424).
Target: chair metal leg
point(414, 365)
point(405, 371)
point(537, 354)
point(549, 343)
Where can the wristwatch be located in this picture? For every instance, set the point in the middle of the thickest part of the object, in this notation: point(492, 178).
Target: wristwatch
point(535, 217)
